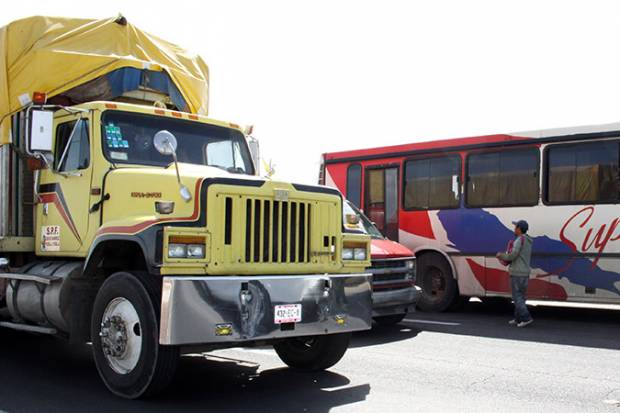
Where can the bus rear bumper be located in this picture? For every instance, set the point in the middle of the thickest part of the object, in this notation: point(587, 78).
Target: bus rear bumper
point(237, 309)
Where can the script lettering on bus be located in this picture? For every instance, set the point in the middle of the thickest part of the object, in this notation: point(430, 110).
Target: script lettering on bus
point(596, 238)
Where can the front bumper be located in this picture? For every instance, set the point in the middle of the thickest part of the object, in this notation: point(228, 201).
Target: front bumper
point(395, 301)
point(237, 309)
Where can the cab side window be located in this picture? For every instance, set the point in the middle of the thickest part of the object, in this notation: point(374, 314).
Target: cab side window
point(72, 150)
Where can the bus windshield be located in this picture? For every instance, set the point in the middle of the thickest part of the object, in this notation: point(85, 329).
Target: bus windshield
point(128, 138)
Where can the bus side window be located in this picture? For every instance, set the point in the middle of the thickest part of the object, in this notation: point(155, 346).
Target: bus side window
point(433, 183)
point(503, 178)
point(354, 184)
point(581, 173)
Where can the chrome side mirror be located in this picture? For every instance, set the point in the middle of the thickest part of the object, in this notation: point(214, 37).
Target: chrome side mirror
point(254, 148)
point(166, 144)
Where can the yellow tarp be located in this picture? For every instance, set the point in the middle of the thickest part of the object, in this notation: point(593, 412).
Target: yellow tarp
point(53, 55)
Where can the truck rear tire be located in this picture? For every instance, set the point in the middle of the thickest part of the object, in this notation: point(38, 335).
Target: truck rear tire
point(313, 353)
point(125, 337)
point(390, 320)
point(439, 288)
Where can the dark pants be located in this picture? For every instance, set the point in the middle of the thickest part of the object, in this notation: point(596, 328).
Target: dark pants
point(519, 295)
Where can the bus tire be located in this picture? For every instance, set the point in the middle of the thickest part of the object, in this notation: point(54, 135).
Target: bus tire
point(125, 337)
point(313, 353)
point(435, 278)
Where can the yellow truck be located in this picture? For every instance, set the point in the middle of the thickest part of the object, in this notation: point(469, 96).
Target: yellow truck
point(132, 221)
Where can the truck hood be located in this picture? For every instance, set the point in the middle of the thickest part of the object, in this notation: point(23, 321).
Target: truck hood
point(385, 248)
point(132, 193)
point(188, 172)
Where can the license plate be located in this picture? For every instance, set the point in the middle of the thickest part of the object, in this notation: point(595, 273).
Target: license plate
point(287, 313)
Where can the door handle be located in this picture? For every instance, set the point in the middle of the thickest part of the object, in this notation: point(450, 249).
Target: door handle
point(98, 204)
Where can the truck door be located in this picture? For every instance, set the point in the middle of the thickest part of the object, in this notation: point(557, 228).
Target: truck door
point(64, 190)
point(381, 199)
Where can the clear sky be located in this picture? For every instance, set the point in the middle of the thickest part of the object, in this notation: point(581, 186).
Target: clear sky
point(319, 76)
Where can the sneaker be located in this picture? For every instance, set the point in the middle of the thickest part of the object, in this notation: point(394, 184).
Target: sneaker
point(525, 323)
point(512, 322)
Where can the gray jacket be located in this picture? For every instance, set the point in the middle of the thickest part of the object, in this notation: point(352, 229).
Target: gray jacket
point(519, 257)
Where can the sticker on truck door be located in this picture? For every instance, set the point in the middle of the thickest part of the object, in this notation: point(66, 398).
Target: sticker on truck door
point(50, 238)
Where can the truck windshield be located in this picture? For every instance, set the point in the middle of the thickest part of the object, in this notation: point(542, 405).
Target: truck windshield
point(128, 138)
point(365, 223)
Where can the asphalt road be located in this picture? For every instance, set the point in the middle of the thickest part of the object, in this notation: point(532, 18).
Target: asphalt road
point(471, 360)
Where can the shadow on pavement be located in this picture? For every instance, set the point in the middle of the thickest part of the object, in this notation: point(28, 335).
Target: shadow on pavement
point(584, 327)
point(379, 335)
point(46, 374)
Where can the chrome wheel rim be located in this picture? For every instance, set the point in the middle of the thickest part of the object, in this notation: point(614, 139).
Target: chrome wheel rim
point(121, 335)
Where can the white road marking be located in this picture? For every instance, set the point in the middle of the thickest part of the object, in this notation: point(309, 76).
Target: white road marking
point(441, 323)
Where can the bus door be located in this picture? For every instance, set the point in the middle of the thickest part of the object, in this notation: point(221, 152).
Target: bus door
point(381, 199)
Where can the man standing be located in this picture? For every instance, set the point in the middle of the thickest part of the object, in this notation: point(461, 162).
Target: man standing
point(518, 257)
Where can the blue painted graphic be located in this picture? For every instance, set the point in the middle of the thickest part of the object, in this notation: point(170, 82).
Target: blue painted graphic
point(478, 231)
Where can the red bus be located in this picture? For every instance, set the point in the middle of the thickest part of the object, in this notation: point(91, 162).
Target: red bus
point(452, 203)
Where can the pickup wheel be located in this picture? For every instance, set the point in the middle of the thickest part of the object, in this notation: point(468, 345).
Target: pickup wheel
point(125, 337)
point(313, 353)
point(390, 320)
point(439, 288)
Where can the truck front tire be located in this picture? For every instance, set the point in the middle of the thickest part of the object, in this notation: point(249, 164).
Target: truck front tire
point(125, 337)
point(313, 353)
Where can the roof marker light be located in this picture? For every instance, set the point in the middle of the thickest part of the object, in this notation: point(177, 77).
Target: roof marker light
point(39, 98)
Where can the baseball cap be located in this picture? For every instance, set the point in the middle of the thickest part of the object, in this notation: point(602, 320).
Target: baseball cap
point(522, 224)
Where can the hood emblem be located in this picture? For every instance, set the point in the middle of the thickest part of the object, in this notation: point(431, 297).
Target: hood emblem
point(281, 194)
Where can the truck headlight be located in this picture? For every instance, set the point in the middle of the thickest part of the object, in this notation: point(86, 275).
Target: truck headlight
point(359, 254)
point(177, 250)
point(411, 264)
point(186, 246)
point(195, 251)
point(347, 253)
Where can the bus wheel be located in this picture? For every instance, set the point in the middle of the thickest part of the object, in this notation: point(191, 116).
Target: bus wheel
point(313, 353)
point(125, 337)
point(439, 288)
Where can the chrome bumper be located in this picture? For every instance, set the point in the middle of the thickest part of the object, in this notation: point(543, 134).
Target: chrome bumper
point(237, 309)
